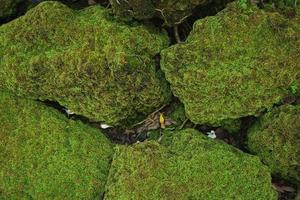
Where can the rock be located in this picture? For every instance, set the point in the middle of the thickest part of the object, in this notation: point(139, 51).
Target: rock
point(8, 7)
point(43, 155)
point(86, 60)
point(275, 139)
point(187, 165)
point(11, 9)
point(232, 126)
point(235, 64)
point(171, 11)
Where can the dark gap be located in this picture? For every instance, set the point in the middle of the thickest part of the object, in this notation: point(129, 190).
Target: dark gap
point(116, 135)
point(241, 137)
point(104, 3)
point(221, 134)
point(237, 140)
point(20, 10)
point(75, 4)
point(199, 12)
point(286, 187)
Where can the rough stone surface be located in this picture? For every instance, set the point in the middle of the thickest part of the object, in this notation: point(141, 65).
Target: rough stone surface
point(238, 63)
point(44, 155)
point(187, 165)
point(275, 138)
point(86, 60)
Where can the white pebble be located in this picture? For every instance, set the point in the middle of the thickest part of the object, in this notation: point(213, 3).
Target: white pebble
point(211, 134)
point(69, 112)
point(105, 126)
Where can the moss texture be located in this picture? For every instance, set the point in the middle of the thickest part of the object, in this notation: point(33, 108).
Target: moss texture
point(232, 126)
point(186, 165)
point(275, 139)
point(238, 63)
point(177, 113)
point(43, 155)
point(171, 11)
point(8, 7)
point(86, 60)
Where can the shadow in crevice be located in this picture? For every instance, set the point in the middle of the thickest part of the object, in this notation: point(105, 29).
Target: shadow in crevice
point(200, 12)
point(116, 135)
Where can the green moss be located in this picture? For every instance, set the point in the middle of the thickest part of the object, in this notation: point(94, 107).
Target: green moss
point(86, 60)
point(171, 11)
point(177, 113)
point(43, 155)
point(232, 126)
point(8, 7)
point(187, 165)
point(11, 9)
point(235, 64)
point(275, 139)
point(282, 4)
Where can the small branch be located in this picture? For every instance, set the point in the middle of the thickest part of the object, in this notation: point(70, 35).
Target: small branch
point(176, 32)
point(153, 113)
point(183, 124)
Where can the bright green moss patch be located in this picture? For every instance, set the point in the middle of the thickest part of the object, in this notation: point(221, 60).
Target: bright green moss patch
point(86, 60)
point(235, 64)
point(43, 155)
point(187, 165)
point(275, 138)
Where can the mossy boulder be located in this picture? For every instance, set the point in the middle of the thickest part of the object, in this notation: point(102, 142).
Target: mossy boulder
point(11, 9)
point(171, 11)
point(86, 60)
point(187, 165)
point(8, 7)
point(176, 114)
point(232, 126)
point(44, 155)
point(235, 64)
point(275, 138)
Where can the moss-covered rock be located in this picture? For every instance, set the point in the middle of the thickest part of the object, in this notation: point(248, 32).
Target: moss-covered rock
point(177, 113)
point(187, 165)
point(86, 60)
point(232, 126)
point(283, 4)
point(171, 11)
point(275, 138)
point(8, 7)
point(43, 155)
point(237, 63)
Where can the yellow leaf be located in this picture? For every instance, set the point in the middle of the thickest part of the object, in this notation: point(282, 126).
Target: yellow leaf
point(162, 120)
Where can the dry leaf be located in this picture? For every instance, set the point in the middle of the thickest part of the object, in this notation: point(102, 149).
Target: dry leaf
point(283, 188)
point(91, 2)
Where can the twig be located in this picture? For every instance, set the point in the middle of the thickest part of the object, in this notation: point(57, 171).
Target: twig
point(177, 37)
point(181, 20)
point(183, 124)
point(153, 113)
